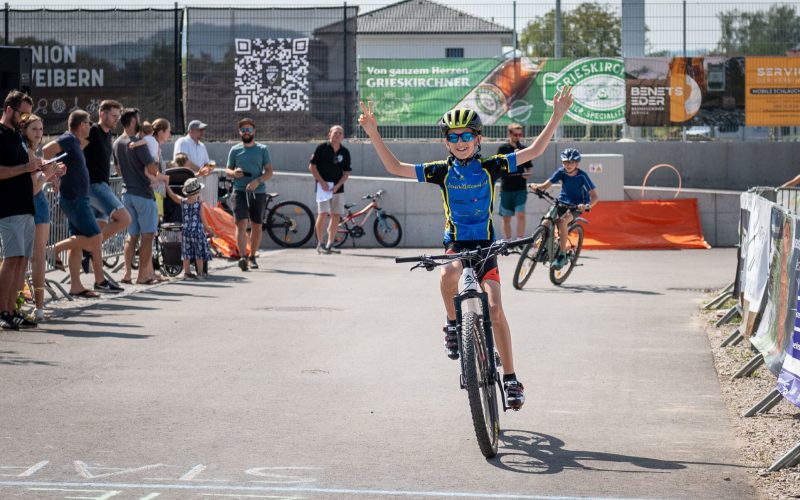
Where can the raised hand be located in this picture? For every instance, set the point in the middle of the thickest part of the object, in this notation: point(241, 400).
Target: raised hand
point(367, 119)
point(562, 101)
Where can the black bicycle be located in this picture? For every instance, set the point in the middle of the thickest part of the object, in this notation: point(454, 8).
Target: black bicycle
point(544, 247)
point(479, 374)
point(289, 223)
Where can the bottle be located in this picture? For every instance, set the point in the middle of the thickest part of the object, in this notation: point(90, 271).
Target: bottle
point(493, 96)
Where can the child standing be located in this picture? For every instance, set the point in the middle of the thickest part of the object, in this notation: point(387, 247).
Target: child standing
point(576, 189)
point(194, 245)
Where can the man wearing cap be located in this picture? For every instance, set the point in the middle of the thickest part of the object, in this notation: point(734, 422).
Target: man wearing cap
point(250, 167)
point(194, 149)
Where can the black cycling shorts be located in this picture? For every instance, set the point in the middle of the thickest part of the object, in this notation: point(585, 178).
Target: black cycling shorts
point(249, 206)
point(489, 271)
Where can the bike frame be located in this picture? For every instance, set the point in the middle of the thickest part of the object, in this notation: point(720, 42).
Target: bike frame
point(364, 213)
point(550, 244)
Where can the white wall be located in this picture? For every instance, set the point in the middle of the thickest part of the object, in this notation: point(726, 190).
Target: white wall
point(429, 46)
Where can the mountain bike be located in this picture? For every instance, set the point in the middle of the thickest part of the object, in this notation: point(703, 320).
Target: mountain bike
point(386, 227)
point(545, 247)
point(289, 223)
point(479, 374)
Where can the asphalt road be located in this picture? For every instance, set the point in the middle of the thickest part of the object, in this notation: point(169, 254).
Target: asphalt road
point(325, 377)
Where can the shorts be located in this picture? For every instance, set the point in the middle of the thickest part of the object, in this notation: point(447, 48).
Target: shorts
point(104, 200)
point(80, 216)
point(512, 202)
point(16, 236)
point(489, 271)
point(249, 206)
point(42, 215)
point(144, 214)
point(335, 205)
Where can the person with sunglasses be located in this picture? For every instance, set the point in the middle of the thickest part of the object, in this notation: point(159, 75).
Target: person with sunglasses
point(250, 167)
point(16, 208)
point(467, 183)
point(514, 193)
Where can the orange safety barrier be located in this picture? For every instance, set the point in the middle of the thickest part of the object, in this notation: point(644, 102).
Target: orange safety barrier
point(640, 224)
point(224, 231)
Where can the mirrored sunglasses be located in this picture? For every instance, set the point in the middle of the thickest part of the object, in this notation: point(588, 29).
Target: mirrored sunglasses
point(464, 136)
point(246, 130)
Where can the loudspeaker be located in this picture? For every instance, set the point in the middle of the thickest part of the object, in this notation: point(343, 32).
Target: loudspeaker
point(15, 69)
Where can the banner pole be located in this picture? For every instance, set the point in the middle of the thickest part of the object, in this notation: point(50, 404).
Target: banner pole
point(347, 127)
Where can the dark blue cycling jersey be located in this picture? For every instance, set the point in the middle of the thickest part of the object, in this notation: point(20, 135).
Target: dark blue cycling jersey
point(468, 192)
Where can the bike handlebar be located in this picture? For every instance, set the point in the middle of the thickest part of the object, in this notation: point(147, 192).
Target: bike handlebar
point(431, 261)
point(545, 194)
point(377, 194)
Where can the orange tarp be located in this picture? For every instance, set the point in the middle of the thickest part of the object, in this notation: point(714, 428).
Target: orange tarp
point(224, 230)
point(644, 224)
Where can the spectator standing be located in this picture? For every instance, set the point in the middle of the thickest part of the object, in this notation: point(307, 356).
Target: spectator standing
point(250, 167)
point(135, 164)
point(16, 208)
point(112, 217)
point(74, 201)
point(330, 166)
point(32, 132)
point(194, 227)
point(192, 146)
point(514, 194)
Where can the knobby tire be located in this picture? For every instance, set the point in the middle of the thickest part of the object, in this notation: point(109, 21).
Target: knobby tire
point(575, 235)
point(530, 256)
point(290, 224)
point(480, 385)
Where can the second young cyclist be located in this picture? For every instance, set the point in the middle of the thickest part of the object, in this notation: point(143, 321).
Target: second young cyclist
point(467, 183)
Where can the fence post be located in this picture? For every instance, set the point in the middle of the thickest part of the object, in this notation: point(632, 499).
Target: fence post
point(348, 129)
point(178, 28)
point(5, 24)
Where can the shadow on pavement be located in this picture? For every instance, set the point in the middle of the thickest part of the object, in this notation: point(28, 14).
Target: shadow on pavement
point(82, 320)
point(613, 289)
point(11, 358)
point(300, 273)
point(534, 453)
point(93, 335)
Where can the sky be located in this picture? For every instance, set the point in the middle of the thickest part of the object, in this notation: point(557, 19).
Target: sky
point(664, 18)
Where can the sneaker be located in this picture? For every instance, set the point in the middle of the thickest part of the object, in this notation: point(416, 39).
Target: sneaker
point(8, 321)
point(323, 249)
point(253, 263)
point(515, 394)
point(38, 315)
point(560, 261)
point(451, 341)
point(24, 322)
point(243, 264)
point(333, 249)
point(108, 286)
point(189, 276)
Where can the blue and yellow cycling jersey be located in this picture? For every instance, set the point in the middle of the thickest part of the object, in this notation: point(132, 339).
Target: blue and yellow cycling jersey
point(468, 193)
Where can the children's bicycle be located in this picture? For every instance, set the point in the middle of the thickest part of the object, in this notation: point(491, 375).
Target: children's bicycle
point(479, 374)
point(544, 247)
point(289, 223)
point(386, 227)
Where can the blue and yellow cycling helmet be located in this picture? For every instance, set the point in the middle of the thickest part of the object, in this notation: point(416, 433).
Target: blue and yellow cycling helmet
point(570, 154)
point(461, 118)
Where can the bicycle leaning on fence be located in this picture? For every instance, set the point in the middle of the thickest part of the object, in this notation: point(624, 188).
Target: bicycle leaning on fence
point(289, 223)
point(544, 247)
point(386, 227)
point(479, 374)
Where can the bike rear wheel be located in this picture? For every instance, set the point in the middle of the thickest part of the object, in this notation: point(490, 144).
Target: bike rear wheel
point(558, 276)
point(480, 384)
point(531, 255)
point(342, 233)
point(290, 224)
point(387, 230)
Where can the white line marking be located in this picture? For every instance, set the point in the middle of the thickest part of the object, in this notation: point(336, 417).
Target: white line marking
point(151, 496)
point(197, 469)
point(84, 470)
point(297, 489)
point(35, 468)
point(239, 495)
point(106, 493)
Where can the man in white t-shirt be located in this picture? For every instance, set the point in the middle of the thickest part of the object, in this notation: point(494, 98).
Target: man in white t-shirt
point(195, 150)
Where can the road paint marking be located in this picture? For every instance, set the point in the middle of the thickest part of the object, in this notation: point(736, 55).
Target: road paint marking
point(29, 472)
point(85, 470)
point(197, 469)
point(239, 495)
point(299, 489)
point(151, 496)
point(105, 496)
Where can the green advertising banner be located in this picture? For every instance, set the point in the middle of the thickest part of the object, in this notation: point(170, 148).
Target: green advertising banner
point(420, 91)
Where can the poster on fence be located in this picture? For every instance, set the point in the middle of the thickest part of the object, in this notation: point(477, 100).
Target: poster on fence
point(77, 69)
point(290, 70)
point(789, 377)
point(756, 254)
point(420, 91)
point(773, 335)
point(772, 86)
point(684, 90)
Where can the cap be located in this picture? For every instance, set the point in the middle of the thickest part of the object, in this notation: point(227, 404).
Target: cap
point(196, 124)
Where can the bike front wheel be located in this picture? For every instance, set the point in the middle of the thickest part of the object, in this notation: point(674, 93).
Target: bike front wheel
point(558, 276)
point(290, 224)
point(531, 255)
point(387, 230)
point(342, 233)
point(480, 384)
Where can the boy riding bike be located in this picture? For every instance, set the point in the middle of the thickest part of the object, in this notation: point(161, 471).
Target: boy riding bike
point(467, 182)
point(576, 189)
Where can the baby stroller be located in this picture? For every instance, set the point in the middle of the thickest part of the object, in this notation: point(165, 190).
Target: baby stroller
point(168, 243)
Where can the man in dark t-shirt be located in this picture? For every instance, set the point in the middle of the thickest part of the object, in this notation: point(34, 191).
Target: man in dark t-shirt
point(109, 210)
point(16, 208)
point(514, 192)
point(330, 166)
point(73, 199)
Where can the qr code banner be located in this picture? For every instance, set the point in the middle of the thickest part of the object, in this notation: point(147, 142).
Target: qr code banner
point(271, 74)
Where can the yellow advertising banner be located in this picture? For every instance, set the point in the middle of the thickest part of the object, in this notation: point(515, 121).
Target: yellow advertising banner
point(772, 91)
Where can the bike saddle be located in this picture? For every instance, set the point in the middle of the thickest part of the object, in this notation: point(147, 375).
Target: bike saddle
point(348, 206)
